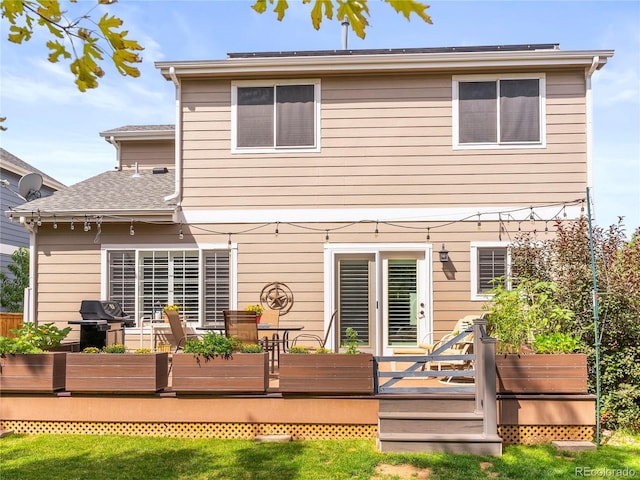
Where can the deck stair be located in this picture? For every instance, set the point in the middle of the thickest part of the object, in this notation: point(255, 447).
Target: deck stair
point(434, 423)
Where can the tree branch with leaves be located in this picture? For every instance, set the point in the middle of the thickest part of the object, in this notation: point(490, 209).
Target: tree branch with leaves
point(82, 40)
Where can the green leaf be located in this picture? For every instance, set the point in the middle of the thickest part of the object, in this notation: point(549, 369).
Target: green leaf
point(57, 50)
point(408, 7)
point(317, 14)
point(356, 12)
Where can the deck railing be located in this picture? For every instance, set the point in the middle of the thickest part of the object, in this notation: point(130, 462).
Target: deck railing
point(477, 373)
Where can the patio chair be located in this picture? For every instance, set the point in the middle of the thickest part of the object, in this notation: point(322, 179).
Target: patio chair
point(316, 338)
point(180, 335)
point(243, 324)
point(463, 346)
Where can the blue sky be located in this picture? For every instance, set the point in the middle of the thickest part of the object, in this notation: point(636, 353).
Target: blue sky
point(56, 128)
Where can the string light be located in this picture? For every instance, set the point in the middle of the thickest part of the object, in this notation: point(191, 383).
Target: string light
point(71, 226)
point(532, 218)
point(87, 224)
point(31, 222)
point(478, 223)
point(55, 224)
point(132, 232)
point(428, 233)
point(39, 221)
point(546, 227)
point(326, 236)
point(564, 212)
point(180, 234)
point(277, 228)
point(377, 232)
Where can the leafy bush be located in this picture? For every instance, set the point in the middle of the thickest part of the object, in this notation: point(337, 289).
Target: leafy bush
point(299, 349)
point(250, 348)
point(91, 350)
point(566, 260)
point(114, 348)
point(33, 339)
point(213, 345)
point(556, 342)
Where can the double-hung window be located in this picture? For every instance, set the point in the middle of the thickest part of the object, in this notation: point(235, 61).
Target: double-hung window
point(489, 261)
point(144, 281)
point(490, 112)
point(275, 116)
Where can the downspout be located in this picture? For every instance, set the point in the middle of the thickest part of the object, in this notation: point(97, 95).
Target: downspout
point(30, 291)
point(176, 195)
point(589, 108)
point(112, 141)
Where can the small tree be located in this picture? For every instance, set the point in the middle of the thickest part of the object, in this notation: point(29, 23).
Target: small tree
point(566, 260)
point(12, 286)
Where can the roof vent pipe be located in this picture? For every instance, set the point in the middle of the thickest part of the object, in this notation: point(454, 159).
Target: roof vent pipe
point(137, 172)
point(345, 32)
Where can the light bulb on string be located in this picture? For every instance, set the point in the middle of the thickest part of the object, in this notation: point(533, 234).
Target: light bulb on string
point(31, 222)
point(277, 228)
point(479, 223)
point(564, 212)
point(39, 221)
point(180, 234)
point(326, 236)
point(428, 233)
point(229, 242)
point(87, 225)
point(55, 223)
point(582, 208)
point(377, 232)
point(72, 226)
point(546, 227)
point(132, 232)
point(532, 217)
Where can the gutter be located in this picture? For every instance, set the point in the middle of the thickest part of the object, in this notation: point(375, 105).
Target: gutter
point(30, 291)
point(176, 195)
point(112, 140)
point(589, 111)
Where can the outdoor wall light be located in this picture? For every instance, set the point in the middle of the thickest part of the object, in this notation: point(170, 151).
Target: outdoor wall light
point(444, 254)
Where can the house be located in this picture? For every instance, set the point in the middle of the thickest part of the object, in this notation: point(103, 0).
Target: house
point(12, 170)
point(382, 184)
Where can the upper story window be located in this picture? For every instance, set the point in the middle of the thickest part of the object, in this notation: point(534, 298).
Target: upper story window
point(490, 112)
point(275, 116)
point(488, 261)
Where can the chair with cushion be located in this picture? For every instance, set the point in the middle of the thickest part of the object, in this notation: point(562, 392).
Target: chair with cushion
point(463, 346)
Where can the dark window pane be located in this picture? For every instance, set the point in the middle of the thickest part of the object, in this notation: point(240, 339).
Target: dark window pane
point(520, 110)
point(477, 112)
point(255, 117)
point(295, 116)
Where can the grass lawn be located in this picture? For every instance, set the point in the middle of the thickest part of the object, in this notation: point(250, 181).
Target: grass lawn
point(114, 457)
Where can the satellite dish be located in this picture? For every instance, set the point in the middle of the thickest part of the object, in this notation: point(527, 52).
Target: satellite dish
point(29, 186)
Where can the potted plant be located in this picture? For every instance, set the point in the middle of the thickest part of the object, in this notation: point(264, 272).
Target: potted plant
point(219, 364)
point(114, 370)
point(26, 362)
point(256, 308)
point(324, 372)
point(534, 352)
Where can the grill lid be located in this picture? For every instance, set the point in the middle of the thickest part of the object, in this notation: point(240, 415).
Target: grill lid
point(104, 310)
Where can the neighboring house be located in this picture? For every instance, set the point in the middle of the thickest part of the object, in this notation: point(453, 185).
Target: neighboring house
point(342, 174)
point(12, 235)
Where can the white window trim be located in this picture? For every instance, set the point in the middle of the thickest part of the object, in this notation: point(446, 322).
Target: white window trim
point(332, 250)
point(272, 83)
point(137, 248)
point(456, 79)
point(475, 296)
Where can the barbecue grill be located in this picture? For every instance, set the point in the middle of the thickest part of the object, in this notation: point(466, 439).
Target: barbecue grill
point(102, 323)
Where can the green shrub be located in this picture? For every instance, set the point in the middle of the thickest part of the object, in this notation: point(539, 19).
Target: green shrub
point(556, 342)
point(33, 339)
point(91, 350)
point(213, 345)
point(115, 348)
point(565, 259)
point(299, 349)
point(250, 348)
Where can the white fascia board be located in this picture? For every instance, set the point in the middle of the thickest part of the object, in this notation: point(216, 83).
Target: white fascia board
point(238, 67)
point(487, 213)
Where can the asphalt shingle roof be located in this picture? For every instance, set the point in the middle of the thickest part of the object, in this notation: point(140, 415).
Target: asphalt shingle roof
point(110, 192)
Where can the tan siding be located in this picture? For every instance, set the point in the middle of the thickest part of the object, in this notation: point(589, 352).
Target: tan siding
point(155, 153)
point(386, 141)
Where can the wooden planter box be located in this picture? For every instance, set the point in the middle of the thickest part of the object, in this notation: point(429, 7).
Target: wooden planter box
point(242, 373)
point(541, 373)
point(329, 374)
point(32, 372)
point(117, 372)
